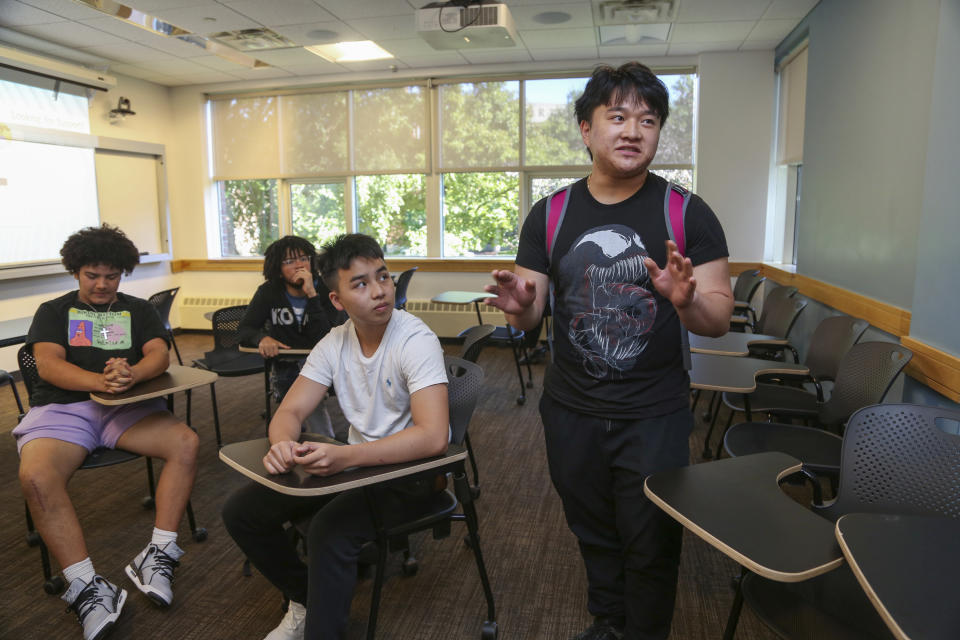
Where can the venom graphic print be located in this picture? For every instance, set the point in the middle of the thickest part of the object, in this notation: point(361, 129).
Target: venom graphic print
point(608, 293)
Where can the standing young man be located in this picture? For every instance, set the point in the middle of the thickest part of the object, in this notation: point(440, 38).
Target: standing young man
point(392, 386)
point(615, 403)
point(291, 310)
point(98, 339)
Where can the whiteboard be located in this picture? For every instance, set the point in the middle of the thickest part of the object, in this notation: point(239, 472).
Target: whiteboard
point(46, 193)
point(129, 197)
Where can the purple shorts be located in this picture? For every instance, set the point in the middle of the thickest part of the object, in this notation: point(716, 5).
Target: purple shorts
point(85, 423)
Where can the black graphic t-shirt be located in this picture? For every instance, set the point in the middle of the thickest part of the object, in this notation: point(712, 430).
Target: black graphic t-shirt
point(616, 340)
point(91, 336)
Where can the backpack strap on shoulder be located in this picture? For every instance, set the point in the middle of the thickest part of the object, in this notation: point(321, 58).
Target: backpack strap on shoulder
point(556, 210)
point(675, 203)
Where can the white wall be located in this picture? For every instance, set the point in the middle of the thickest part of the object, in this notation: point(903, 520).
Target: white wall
point(733, 144)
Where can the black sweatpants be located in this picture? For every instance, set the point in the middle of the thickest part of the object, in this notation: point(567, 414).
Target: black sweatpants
point(254, 517)
point(630, 547)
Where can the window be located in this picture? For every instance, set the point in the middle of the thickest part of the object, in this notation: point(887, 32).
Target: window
point(365, 160)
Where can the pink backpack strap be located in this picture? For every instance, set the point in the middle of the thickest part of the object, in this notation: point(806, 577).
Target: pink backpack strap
point(674, 211)
point(556, 210)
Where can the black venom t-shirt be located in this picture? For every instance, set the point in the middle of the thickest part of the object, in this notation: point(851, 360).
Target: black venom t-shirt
point(616, 340)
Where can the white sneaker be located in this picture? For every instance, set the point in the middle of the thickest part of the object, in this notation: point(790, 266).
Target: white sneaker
point(152, 571)
point(292, 625)
point(97, 605)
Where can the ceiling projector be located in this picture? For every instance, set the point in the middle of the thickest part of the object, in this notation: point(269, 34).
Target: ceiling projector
point(460, 25)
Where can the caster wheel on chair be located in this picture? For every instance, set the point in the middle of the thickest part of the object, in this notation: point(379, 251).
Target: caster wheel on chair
point(475, 492)
point(488, 631)
point(33, 539)
point(54, 585)
point(521, 399)
point(409, 567)
point(200, 534)
point(148, 503)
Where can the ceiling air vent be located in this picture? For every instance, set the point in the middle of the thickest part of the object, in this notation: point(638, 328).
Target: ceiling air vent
point(253, 40)
point(613, 12)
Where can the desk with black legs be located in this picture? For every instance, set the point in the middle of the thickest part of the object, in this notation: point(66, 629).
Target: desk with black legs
point(281, 353)
point(464, 297)
point(14, 331)
point(247, 458)
point(733, 344)
point(908, 566)
point(712, 372)
point(175, 378)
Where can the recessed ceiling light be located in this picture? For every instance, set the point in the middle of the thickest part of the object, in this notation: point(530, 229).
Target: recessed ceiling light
point(356, 51)
point(551, 17)
point(323, 35)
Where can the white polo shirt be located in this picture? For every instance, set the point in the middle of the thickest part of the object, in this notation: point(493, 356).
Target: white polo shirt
point(374, 393)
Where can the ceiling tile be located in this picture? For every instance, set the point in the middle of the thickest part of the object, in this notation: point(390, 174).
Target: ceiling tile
point(71, 34)
point(205, 77)
point(373, 65)
point(284, 57)
point(351, 9)
point(566, 53)
point(710, 32)
point(721, 10)
point(320, 67)
point(771, 30)
point(149, 6)
point(197, 18)
point(215, 62)
point(493, 56)
point(632, 50)
point(386, 27)
point(279, 12)
point(264, 73)
point(540, 39)
point(128, 52)
point(696, 48)
point(64, 8)
point(317, 32)
point(579, 14)
point(759, 45)
point(411, 47)
point(793, 9)
point(15, 14)
point(449, 58)
point(174, 66)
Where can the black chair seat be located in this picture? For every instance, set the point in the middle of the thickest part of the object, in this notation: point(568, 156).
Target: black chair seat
point(785, 400)
point(819, 450)
point(832, 605)
point(230, 362)
point(103, 457)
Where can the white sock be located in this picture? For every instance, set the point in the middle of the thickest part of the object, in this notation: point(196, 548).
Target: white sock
point(161, 537)
point(82, 570)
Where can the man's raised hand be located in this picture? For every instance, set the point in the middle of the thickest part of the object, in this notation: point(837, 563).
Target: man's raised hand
point(514, 294)
point(675, 281)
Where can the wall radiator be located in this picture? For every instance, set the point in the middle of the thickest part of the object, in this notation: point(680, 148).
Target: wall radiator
point(446, 320)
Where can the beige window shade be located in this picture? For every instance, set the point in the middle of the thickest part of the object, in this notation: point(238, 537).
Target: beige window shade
point(390, 129)
point(793, 91)
point(246, 141)
point(313, 134)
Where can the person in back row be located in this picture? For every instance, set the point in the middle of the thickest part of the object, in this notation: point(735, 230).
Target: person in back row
point(291, 310)
point(391, 384)
point(98, 339)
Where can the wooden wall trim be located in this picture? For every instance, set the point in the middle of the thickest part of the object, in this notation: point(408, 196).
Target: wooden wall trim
point(436, 265)
point(937, 369)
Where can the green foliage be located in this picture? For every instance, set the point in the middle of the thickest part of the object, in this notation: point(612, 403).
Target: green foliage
point(555, 140)
point(317, 211)
point(393, 209)
point(248, 216)
point(481, 211)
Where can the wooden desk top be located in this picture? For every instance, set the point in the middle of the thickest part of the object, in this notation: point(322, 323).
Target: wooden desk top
point(907, 565)
point(176, 378)
point(736, 506)
point(14, 331)
point(247, 458)
point(732, 344)
point(462, 297)
point(283, 352)
point(712, 372)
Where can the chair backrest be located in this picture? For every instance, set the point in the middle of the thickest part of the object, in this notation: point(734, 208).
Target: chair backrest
point(28, 368)
point(830, 342)
point(473, 341)
point(776, 294)
point(898, 459)
point(464, 382)
point(403, 281)
point(779, 315)
point(163, 301)
point(746, 285)
point(226, 327)
point(864, 376)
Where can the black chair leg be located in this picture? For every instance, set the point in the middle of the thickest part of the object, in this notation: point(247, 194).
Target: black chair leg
point(724, 435)
point(216, 414)
point(475, 489)
point(462, 489)
point(198, 534)
point(522, 398)
point(734, 616)
point(706, 453)
point(176, 351)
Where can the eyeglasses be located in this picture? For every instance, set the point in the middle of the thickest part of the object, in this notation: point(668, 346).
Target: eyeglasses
point(298, 259)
